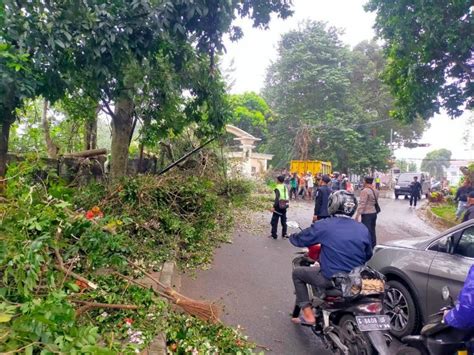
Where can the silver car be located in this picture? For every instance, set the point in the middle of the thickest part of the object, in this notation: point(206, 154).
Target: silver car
point(418, 268)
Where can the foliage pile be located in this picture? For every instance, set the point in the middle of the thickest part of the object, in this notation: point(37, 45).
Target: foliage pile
point(92, 233)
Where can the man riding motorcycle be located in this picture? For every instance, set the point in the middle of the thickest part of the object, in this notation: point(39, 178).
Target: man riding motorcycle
point(345, 244)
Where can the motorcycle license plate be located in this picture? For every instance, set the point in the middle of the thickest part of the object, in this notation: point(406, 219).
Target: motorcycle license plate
point(371, 323)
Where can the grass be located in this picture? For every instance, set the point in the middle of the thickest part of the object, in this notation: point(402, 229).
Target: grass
point(445, 211)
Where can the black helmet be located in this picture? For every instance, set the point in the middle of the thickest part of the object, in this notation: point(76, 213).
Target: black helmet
point(342, 202)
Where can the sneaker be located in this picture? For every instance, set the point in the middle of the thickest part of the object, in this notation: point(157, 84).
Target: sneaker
point(285, 236)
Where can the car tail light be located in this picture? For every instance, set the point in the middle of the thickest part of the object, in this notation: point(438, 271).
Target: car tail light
point(375, 307)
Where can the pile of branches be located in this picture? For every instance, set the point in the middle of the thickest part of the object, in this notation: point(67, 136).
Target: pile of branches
point(70, 259)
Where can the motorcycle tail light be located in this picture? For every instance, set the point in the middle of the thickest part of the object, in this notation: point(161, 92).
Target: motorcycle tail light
point(375, 307)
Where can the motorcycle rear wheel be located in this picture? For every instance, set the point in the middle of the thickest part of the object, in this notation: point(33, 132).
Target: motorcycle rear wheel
point(359, 342)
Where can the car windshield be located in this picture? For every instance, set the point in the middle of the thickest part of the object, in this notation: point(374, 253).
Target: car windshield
point(407, 177)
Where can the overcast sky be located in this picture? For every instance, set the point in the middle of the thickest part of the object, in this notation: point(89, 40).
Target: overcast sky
point(253, 53)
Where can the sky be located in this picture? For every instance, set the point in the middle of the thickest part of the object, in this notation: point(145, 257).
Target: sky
point(250, 57)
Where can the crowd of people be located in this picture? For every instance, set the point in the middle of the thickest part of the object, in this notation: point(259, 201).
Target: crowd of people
point(320, 190)
point(304, 185)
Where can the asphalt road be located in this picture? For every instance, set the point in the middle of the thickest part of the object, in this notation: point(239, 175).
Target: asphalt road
point(252, 276)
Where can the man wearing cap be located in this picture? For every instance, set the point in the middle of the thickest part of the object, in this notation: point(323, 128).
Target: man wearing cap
point(322, 198)
point(469, 214)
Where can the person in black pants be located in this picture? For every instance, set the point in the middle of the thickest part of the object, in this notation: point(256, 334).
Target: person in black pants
point(367, 212)
point(280, 206)
point(322, 197)
point(415, 193)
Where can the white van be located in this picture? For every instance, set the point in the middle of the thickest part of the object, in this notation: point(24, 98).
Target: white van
point(404, 180)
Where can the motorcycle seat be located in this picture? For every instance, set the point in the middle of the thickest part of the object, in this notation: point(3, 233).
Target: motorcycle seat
point(333, 292)
point(433, 328)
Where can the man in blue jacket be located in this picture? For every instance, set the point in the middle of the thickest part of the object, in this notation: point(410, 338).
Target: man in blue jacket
point(345, 244)
point(322, 198)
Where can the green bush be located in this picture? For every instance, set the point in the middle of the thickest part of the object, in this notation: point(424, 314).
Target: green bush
point(445, 211)
point(95, 230)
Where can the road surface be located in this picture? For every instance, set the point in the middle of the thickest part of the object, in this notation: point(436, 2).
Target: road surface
point(252, 276)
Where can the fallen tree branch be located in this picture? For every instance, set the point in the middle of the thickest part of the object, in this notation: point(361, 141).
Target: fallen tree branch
point(105, 305)
point(76, 276)
point(60, 265)
point(162, 294)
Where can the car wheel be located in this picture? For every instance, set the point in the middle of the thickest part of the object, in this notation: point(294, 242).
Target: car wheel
point(400, 307)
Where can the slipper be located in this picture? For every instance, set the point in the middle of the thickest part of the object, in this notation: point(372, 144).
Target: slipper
point(302, 321)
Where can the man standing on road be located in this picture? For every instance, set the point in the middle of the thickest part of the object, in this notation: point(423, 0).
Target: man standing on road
point(345, 244)
point(367, 211)
point(377, 182)
point(322, 198)
point(302, 186)
point(335, 182)
point(280, 206)
point(469, 214)
point(294, 186)
point(415, 193)
point(461, 198)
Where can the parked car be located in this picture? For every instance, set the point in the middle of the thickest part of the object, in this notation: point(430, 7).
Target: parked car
point(404, 180)
point(416, 271)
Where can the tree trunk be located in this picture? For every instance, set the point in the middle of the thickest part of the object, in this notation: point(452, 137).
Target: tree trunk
point(122, 124)
point(4, 136)
point(90, 136)
point(50, 146)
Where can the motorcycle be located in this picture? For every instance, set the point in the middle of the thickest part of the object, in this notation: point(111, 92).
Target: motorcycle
point(438, 338)
point(349, 314)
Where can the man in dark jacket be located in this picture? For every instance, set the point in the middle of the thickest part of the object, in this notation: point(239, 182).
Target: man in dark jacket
point(345, 244)
point(322, 197)
point(461, 198)
point(415, 193)
point(280, 206)
point(469, 214)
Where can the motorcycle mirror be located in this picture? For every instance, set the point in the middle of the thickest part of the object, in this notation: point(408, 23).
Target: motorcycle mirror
point(445, 293)
point(293, 224)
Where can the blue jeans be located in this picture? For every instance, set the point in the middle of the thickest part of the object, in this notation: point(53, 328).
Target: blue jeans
point(462, 206)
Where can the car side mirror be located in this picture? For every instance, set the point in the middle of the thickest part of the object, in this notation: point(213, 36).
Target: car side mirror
point(450, 244)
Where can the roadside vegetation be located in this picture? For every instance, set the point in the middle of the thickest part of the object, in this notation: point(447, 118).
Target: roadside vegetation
point(65, 250)
point(445, 211)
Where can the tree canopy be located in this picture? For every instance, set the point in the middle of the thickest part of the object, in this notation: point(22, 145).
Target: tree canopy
point(436, 161)
point(428, 45)
point(251, 113)
point(134, 57)
point(330, 103)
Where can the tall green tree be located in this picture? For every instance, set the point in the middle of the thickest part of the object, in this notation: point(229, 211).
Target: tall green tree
point(436, 161)
point(251, 113)
point(428, 45)
point(330, 103)
point(111, 49)
point(373, 95)
point(17, 82)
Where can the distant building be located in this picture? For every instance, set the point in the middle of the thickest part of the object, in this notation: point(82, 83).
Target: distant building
point(246, 162)
point(453, 174)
